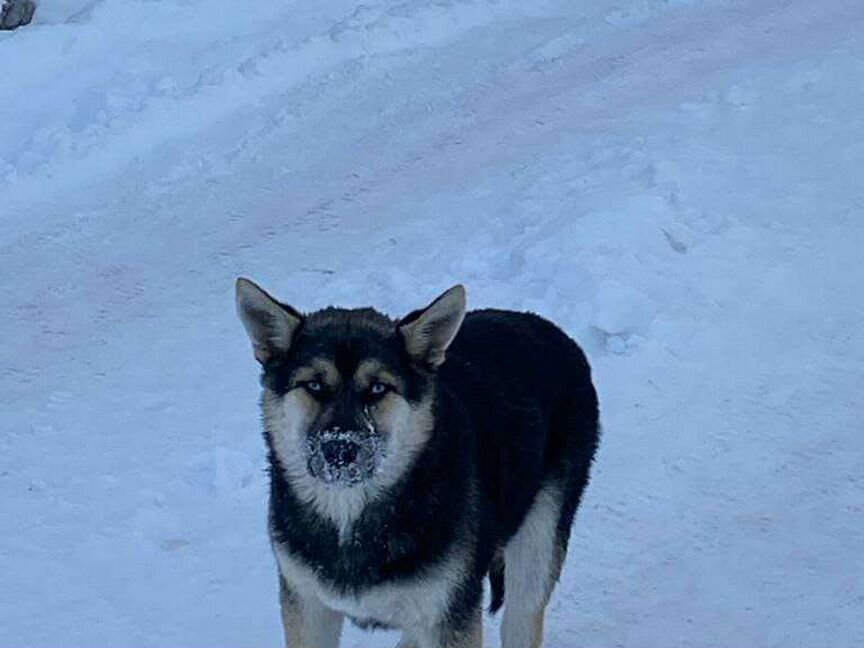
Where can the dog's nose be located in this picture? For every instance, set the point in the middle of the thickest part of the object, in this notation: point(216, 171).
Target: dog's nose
point(339, 452)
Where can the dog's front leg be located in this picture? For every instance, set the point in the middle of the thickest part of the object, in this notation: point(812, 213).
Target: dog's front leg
point(471, 636)
point(444, 635)
point(406, 642)
point(307, 622)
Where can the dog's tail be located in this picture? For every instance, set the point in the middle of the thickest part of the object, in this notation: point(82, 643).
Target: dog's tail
point(496, 583)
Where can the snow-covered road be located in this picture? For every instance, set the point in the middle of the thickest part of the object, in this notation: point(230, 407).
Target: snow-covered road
point(677, 182)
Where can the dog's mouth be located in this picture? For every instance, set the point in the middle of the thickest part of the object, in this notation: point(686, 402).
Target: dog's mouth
point(343, 458)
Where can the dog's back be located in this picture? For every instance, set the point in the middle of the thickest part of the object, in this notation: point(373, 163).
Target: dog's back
point(526, 388)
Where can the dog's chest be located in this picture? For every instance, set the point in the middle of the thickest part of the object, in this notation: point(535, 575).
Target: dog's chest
point(406, 603)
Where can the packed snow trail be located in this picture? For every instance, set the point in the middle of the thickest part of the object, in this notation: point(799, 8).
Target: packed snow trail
point(677, 182)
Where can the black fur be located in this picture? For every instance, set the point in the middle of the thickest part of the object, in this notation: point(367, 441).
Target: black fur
point(514, 408)
point(496, 584)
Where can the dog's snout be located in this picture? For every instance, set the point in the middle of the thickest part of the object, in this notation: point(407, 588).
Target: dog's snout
point(343, 457)
point(339, 452)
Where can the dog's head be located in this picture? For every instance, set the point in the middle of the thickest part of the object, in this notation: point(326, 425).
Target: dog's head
point(347, 394)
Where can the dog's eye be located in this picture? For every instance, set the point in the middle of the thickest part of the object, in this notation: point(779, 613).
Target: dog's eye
point(313, 386)
point(379, 388)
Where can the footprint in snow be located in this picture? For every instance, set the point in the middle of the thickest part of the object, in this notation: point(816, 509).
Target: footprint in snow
point(173, 544)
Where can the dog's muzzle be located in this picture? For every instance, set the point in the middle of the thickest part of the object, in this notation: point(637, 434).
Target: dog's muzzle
point(343, 457)
point(340, 453)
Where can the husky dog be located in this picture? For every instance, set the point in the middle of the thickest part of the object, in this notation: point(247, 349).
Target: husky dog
point(412, 458)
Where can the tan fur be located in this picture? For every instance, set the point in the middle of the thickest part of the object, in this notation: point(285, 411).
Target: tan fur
point(472, 637)
point(408, 428)
point(537, 635)
point(306, 622)
point(290, 615)
point(319, 369)
point(533, 560)
point(372, 370)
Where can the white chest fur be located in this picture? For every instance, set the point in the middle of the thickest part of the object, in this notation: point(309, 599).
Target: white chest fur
point(415, 602)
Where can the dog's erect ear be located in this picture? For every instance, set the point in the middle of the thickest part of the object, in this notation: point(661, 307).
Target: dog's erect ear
point(270, 325)
point(428, 332)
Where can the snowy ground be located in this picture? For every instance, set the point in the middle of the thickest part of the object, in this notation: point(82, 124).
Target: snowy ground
point(677, 182)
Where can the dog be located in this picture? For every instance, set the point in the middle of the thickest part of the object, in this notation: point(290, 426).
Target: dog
point(410, 459)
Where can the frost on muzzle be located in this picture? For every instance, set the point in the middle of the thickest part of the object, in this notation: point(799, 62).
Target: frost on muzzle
point(344, 458)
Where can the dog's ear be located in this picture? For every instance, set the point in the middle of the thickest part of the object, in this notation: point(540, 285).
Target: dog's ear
point(428, 332)
point(270, 325)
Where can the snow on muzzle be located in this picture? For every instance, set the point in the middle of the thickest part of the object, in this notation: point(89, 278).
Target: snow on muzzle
point(344, 457)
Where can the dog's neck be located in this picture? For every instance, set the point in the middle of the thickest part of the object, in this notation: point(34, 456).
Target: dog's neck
point(351, 531)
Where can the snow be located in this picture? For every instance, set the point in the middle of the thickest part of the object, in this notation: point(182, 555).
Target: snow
point(677, 183)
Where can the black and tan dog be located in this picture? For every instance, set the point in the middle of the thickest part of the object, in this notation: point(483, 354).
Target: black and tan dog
point(410, 459)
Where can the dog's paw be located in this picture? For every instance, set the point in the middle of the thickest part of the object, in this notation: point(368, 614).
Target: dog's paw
point(15, 13)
